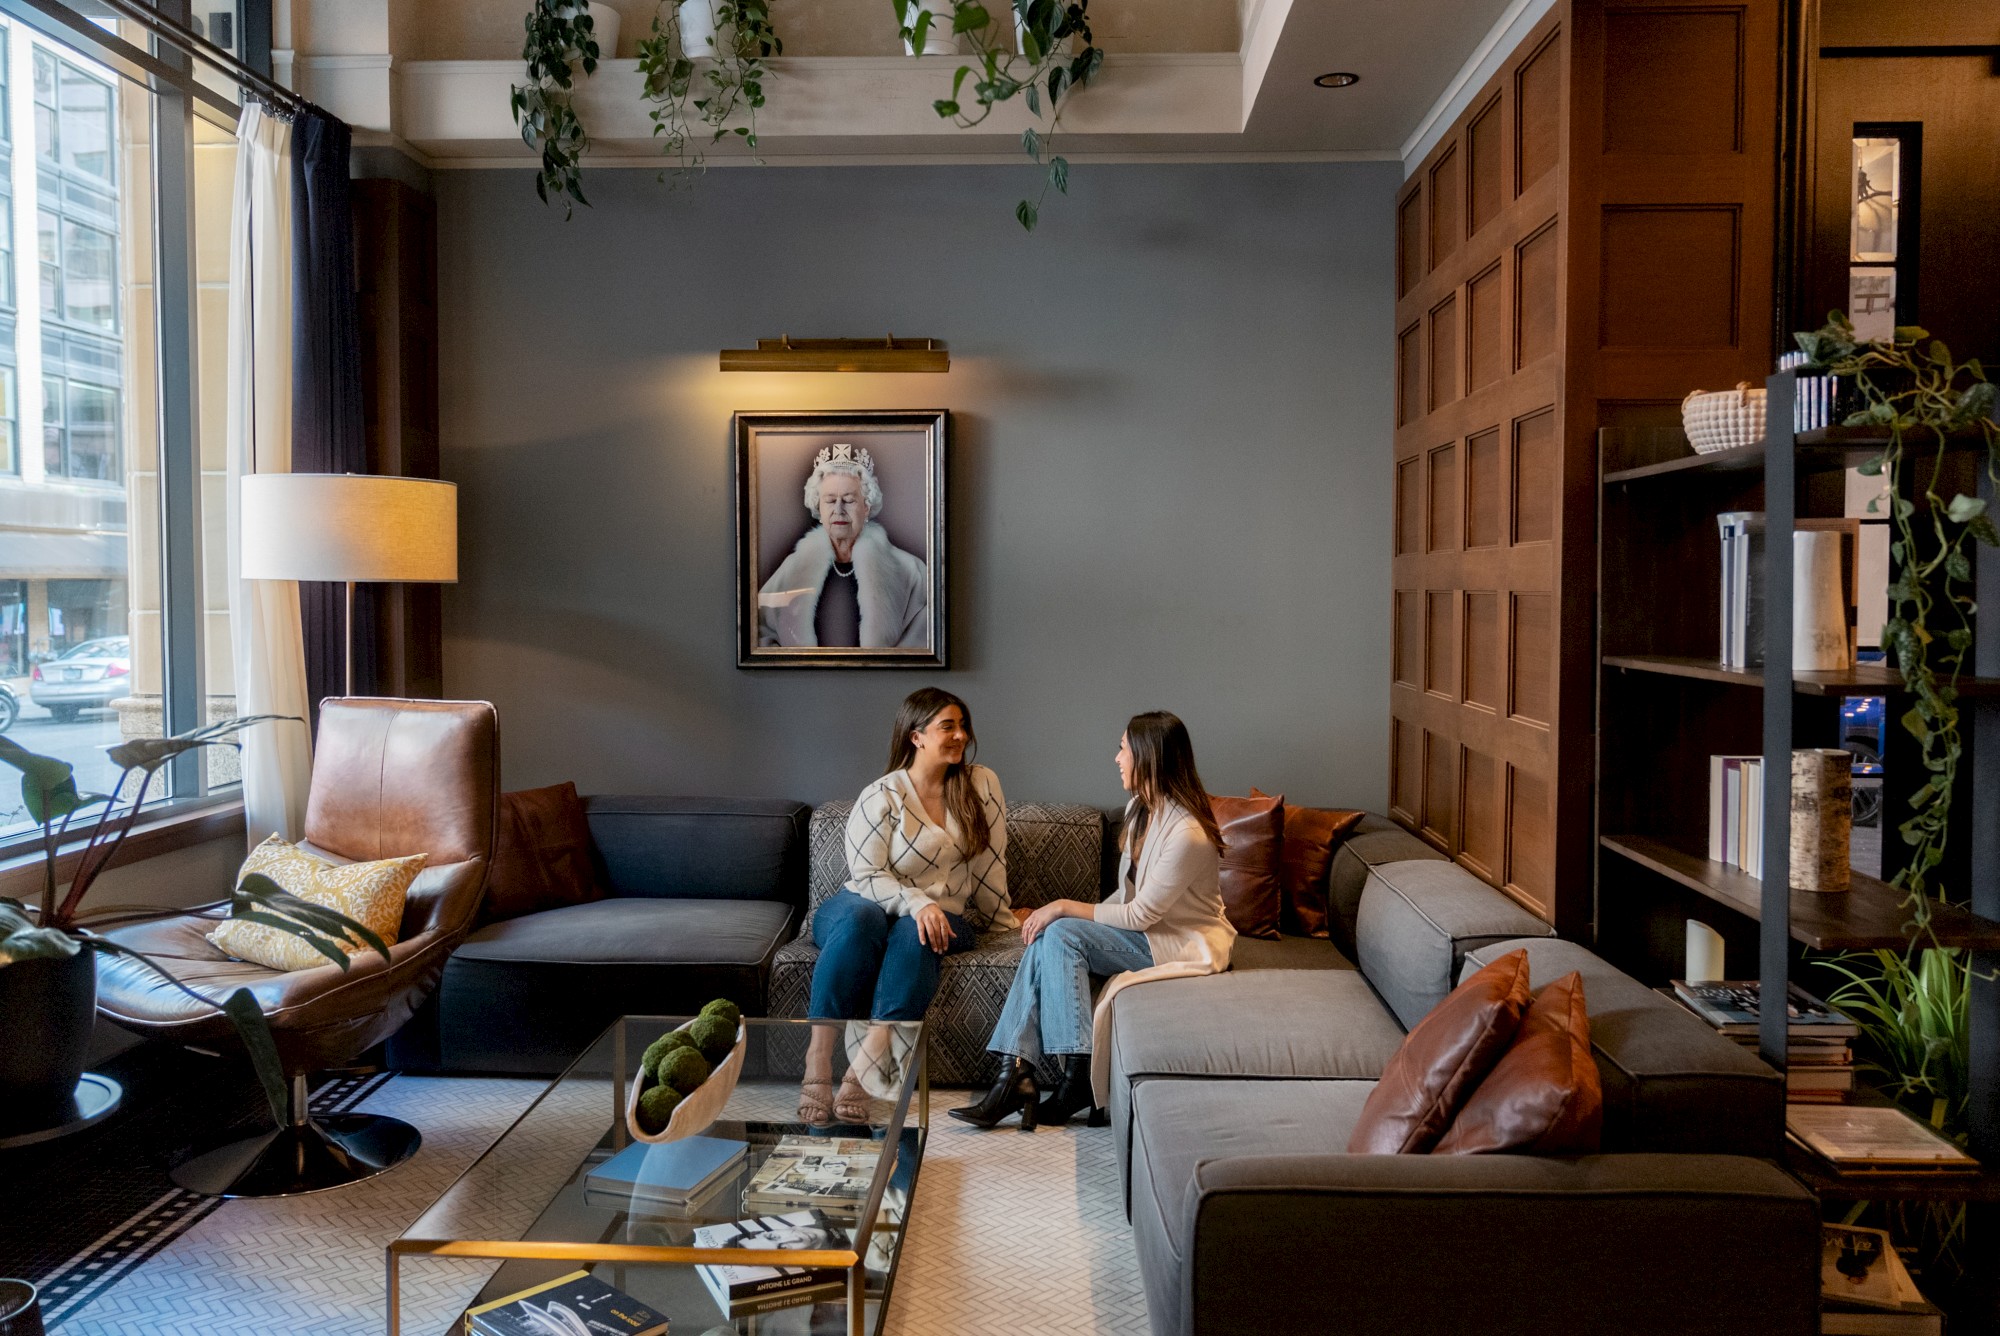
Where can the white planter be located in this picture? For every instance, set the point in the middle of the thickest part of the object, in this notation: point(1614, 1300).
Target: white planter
point(604, 22)
point(697, 24)
point(939, 40)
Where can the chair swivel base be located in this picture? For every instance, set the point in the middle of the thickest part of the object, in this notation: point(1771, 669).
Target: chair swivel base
point(328, 1151)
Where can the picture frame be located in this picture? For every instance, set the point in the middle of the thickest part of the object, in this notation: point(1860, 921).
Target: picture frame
point(864, 570)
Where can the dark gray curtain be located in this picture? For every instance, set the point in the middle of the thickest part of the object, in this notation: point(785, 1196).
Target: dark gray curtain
point(328, 434)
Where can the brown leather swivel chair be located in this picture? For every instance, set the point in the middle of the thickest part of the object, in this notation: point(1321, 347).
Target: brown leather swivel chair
point(390, 778)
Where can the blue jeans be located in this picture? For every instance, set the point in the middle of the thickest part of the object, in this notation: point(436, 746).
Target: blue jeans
point(1048, 1008)
point(873, 966)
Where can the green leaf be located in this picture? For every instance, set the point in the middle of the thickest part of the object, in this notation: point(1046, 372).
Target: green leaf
point(945, 107)
point(255, 1031)
point(1914, 725)
point(967, 18)
point(1025, 214)
point(1870, 468)
point(1982, 528)
point(1963, 508)
point(1031, 143)
point(1032, 98)
point(37, 944)
point(1059, 174)
point(1956, 566)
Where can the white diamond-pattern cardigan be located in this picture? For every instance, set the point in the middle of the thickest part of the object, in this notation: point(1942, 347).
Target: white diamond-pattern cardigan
point(902, 860)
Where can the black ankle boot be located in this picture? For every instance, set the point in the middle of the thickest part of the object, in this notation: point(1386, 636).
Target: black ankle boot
point(1072, 1097)
point(1016, 1089)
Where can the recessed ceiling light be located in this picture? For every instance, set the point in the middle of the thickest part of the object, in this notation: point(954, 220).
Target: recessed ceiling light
point(1341, 79)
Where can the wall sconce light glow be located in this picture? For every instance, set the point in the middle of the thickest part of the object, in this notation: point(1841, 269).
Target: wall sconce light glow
point(888, 353)
point(1338, 79)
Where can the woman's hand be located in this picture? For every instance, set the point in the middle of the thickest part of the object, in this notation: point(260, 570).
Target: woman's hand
point(934, 929)
point(1031, 926)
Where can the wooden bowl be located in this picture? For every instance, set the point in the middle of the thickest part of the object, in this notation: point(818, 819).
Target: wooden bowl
point(697, 1110)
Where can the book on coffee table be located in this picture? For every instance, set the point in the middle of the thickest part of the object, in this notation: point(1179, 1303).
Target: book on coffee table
point(763, 1281)
point(1874, 1139)
point(578, 1303)
point(831, 1173)
point(673, 1173)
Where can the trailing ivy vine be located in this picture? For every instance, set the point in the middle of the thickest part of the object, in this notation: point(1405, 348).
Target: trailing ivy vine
point(733, 78)
point(1046, 30)
point(560, 37)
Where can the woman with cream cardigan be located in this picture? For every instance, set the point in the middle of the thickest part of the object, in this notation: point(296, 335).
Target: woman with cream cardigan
point(1165, 920)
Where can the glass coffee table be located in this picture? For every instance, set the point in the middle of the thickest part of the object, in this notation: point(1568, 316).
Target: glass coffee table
point(527, 1200)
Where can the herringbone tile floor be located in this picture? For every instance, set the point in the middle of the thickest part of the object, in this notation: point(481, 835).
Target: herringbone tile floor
point(1023, 1235)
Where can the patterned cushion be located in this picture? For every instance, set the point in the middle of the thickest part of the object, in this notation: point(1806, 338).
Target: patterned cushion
point(1054, 852)
point(371, 894)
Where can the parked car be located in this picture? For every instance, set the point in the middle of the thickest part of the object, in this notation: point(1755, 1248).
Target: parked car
point(10, 707)
point(88, 676)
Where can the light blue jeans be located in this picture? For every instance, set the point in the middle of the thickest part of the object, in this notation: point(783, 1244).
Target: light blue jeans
point(1048, 1008)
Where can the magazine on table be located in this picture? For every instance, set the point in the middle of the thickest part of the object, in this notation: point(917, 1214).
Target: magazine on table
point(578, 1304)
point(1732, 1008)
point(831, 1173)
point(1868, 1138)
point(766, 1282)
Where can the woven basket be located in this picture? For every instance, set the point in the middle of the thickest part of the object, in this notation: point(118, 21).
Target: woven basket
point(1723, 419)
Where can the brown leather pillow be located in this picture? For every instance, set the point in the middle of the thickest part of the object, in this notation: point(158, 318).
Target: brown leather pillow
point(1442, 1060)
point(1311, 836)
point(1543, 1096)
point(1253, 833)
point(541, 858)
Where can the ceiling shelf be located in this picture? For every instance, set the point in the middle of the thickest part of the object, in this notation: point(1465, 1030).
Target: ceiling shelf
point(1869, 917)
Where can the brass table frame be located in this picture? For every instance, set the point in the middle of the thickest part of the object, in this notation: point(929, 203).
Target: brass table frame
point(850, 1260)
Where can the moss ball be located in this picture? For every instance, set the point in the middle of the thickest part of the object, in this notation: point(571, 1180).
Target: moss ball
point(714, 1036)
point(683, 1069)
point(649, 1062)
point(656, 1106)
point(724, 1008)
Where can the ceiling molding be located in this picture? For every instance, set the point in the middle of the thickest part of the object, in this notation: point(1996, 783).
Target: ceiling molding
point(1486, 58)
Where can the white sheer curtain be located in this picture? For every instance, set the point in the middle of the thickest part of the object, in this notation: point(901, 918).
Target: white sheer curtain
point(264, 614)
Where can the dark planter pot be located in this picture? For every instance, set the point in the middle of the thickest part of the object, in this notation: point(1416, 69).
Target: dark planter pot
point(50, 1005)
point(20, 1309)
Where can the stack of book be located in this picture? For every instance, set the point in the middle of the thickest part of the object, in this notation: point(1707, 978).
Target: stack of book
point(1865, 1290)
point(666, 1178)
point(757, 1288)
point(1875, 1139)
point(1736, 812)
point(830, 1173)
point(578, 1302)
point(1819, 1048)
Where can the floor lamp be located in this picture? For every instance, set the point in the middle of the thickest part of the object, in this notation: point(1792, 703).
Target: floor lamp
point(349, 528)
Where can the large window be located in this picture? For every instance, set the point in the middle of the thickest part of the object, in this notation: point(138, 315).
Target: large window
point(96, 593)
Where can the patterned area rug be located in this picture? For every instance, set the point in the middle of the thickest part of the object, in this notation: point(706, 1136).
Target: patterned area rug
point(313, 1264)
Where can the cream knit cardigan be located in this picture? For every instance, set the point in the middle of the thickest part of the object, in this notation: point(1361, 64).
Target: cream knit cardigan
point(902, 860)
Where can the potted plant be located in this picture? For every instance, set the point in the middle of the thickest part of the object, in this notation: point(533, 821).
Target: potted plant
point(562, 36)
point(733, 38)
point(48, 973)
point(1052, 54)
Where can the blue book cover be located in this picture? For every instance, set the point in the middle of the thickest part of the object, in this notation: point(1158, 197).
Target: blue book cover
point(672, 1171)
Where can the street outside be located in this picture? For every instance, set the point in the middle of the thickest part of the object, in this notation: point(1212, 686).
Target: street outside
point(80, 741)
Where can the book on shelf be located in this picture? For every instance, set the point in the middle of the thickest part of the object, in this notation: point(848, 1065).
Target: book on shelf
point(1736, 812)
point(832, 1173)
point(1873, 1139)
point(756, 1287)
point(1742, 534)
point(1731, 1006)
point(1821, 1081)
point(671, 1173)
point(1864, 1287)
point(577, 1303)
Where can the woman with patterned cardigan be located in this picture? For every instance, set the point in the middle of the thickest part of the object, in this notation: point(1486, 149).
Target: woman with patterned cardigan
point(927, 873)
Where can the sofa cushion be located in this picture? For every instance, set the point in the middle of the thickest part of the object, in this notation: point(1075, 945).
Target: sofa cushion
point(1286, 953)
point(1417, 921)
point(1311, 835)
point(1179, 1124)
point(1442, 1060)
point(1253, 834)
point(541, 855)
point(700, 848)
point(1542, 1097)
point(528, 994)
point(1375, 840)
point(1258, 1025)
point(1670, 1083)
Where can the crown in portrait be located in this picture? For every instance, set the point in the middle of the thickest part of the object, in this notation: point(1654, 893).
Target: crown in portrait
point(844, 454)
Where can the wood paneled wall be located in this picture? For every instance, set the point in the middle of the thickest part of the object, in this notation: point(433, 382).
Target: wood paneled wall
point(1591, 240)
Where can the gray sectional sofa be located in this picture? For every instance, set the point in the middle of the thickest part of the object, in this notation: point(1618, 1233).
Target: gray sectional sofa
point(1233, 1097)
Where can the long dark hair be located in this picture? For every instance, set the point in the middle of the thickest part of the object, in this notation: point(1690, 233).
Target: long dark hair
point(919, 708)
point(1162, 772)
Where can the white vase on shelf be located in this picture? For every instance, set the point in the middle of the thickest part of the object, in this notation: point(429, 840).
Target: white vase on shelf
point(939, 39)
point(604, 25)
point(696, 19)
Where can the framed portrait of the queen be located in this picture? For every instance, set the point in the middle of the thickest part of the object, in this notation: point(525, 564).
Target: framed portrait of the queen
point(840, 539)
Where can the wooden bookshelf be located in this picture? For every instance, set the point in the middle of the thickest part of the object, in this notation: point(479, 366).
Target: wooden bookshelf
point(1828, 449)
point(1869, 917)
point(1863, 679)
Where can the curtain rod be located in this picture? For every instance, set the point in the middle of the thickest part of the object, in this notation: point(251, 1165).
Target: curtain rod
point(202, 49)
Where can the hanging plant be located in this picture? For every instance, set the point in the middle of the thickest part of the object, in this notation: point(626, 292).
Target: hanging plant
point(559, 39)
point(731, 82)
point(1046, 31)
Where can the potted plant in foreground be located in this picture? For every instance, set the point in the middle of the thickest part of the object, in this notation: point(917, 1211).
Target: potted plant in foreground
point(48, 972)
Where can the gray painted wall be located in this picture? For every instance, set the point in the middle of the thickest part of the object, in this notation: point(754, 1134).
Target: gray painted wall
point(1168, 484)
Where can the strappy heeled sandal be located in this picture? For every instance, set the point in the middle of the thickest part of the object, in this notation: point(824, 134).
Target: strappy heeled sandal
point(852, 1104)
point(816, 1106)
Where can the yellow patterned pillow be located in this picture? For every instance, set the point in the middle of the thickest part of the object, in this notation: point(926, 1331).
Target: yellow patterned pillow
point(369, 893)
